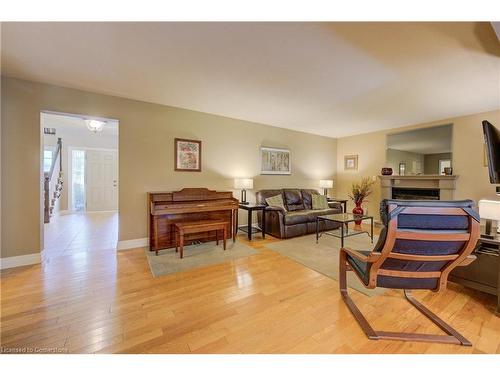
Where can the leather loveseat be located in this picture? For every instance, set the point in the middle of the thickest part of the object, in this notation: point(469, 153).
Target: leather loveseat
point(299, 218)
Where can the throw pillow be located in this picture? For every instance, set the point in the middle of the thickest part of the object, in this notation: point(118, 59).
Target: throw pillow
point(319, 202)
point(276, 201)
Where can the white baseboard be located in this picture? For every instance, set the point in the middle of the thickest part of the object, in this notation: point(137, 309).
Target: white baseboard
point(132, 244)
point(21, 260)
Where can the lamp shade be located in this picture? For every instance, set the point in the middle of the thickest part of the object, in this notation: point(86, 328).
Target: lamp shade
point(489, 209)
point(326, 184)
point(243, 183)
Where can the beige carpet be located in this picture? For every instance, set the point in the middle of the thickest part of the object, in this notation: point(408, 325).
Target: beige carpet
point(196, 256)
point(324, 256)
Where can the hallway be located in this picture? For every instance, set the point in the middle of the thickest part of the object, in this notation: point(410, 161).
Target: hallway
point(70, 234)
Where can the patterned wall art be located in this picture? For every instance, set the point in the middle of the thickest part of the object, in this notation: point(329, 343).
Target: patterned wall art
point(275, 161)
point(187, 155)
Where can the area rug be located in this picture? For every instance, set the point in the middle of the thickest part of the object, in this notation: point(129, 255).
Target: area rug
point(195, 256)
point(324, 256)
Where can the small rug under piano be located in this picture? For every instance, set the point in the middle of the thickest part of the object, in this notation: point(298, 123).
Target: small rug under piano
point(196, 256)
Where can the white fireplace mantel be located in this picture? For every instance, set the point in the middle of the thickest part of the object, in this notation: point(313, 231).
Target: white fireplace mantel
point(445, 184)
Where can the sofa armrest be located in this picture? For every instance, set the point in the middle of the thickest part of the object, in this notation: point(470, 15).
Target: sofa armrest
point(336, 205)
point(275, 208)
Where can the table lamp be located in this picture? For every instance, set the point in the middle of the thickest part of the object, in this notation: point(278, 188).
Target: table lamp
point(243, 184)
point(489, 210)
point(326, 184)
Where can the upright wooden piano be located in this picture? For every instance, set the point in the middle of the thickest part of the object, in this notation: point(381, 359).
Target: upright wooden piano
point(189, 204)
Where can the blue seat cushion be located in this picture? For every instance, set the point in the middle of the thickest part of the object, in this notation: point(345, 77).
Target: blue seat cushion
point(363, 271)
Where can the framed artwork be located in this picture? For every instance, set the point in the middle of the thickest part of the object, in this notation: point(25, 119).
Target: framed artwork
point(187, 155)
point(351, 162)
point(275, 161)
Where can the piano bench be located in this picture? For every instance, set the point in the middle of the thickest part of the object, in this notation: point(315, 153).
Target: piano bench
point(200, 226)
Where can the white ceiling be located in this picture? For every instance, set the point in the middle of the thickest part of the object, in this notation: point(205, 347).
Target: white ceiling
point(433, 140)
point(75, 126)
point(333, 79)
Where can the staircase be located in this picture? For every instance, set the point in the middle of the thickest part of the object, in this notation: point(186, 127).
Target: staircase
point(53, 183)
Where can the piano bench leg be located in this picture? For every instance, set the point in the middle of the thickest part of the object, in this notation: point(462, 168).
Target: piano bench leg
point(181, 240)
point(217, 237)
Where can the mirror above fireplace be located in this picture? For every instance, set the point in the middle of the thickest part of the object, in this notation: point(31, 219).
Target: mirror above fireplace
point(425, 151)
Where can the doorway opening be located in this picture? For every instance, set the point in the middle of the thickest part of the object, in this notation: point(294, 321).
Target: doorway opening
point(80, 183)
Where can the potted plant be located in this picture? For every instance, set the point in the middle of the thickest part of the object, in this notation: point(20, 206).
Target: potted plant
point(358, 194)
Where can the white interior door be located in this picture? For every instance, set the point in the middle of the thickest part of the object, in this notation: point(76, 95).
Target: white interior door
point(102, 180)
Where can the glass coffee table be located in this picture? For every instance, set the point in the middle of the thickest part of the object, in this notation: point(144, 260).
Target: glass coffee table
point(344, 219)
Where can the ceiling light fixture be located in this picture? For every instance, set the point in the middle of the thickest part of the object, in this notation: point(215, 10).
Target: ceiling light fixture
point(95, 126)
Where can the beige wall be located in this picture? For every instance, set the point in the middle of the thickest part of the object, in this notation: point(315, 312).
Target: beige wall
point(467, 150)
point(146, 132)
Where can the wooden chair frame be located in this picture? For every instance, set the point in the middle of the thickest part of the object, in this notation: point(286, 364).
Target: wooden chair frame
point(376, 259)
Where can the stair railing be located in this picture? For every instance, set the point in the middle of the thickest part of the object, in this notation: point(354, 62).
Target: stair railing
point(48, 177)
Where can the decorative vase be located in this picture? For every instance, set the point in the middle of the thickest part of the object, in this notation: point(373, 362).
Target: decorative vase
point(386, 171)
point(358, 210)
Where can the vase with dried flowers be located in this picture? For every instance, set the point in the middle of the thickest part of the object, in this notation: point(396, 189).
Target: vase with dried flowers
point(358, 194)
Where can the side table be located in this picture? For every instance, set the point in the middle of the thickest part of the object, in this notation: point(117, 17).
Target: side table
point(343, 202)
point(249, 229)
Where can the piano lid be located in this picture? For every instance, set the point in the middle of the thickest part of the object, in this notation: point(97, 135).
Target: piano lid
point(191, 194)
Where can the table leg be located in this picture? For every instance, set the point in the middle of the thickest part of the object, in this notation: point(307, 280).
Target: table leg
point(263, 229)
point(216, 237)
point(181, 243)
point(176, 239)
point(234, 222)
point(249, 225)
point(155, 233)
point(342, 236)
point(224, 238)
point(345, 207)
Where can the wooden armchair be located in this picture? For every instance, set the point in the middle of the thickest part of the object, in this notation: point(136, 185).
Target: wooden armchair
point(422, 241)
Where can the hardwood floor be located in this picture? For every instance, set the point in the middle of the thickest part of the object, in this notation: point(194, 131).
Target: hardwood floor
point(91, 298)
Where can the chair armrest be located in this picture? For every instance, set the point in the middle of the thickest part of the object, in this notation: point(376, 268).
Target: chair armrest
point(356, 254)
point(468, 260)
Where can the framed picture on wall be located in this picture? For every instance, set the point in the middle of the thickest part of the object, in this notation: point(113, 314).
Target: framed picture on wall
point(275, 161)
point(351, 162)
point(187, 155)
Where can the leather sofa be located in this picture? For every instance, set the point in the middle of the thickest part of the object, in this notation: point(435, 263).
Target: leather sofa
point(299, 218)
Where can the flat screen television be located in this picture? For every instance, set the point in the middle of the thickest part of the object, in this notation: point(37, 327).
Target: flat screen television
point(492, 140)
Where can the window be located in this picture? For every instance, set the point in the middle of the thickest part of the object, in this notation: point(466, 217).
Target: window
point(444, 164)
point(78, 180)
point(48, 155)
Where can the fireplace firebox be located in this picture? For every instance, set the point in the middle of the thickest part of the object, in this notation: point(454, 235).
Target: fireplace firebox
point(415, 193)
